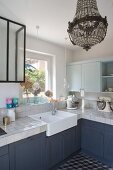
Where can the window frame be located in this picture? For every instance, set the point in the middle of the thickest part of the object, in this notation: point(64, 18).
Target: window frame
point(49, 73)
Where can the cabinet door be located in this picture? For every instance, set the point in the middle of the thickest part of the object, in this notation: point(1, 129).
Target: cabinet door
point(108, 147)
point(92, 138)
point(28, 154)
point(108, 144)
point(4, 162)
point(4, 158)
point(69, 142)
point(74, 77)
point(91, 77)
point(54, 150)
point(78, 136)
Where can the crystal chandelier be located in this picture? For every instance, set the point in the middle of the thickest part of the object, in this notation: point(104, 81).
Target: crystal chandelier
point(88, 27)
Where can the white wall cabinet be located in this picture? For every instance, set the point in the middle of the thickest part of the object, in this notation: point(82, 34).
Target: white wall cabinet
point(74, 73)
point(84, 76)
point(91, 77)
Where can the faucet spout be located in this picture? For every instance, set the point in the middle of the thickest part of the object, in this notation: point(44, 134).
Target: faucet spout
point(54, 110)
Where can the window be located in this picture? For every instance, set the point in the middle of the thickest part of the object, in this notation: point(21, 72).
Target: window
point(36, 83)
point(35, 71)
point(43, 63)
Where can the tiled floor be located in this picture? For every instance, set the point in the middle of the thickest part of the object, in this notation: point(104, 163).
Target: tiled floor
point(83, 162)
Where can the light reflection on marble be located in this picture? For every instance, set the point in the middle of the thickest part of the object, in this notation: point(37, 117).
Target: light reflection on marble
point(94, 115)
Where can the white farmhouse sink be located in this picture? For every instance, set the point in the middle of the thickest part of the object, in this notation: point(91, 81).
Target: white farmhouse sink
point(58, 122)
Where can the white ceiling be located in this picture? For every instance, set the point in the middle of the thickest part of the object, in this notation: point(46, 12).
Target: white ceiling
point(52, 16)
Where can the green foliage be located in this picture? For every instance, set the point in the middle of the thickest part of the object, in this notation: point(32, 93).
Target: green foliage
point(36, 75)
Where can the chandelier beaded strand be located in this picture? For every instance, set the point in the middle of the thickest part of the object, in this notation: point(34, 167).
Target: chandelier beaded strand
point(88, 28)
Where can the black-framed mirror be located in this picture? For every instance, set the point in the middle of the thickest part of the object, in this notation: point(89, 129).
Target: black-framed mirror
point(12, 51)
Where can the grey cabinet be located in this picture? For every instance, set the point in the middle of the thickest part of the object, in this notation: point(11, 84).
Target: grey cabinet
point(4, 158)
point(108, 144)
point(54, 150)
point(92, 138)
point(28, 154)
point(78, 135)
point(43, 153)
point(69, 142)
point(61, 146)
point(4, 162)
point(97, 140)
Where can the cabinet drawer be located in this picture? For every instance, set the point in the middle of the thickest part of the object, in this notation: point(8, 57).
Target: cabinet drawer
point(3, 150)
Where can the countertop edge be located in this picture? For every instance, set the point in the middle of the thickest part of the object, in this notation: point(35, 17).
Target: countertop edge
point(90, 114)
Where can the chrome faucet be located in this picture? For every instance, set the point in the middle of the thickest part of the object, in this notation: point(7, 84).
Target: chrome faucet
point(54, 110)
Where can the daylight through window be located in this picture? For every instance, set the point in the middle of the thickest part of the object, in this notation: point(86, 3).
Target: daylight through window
point(35, 73)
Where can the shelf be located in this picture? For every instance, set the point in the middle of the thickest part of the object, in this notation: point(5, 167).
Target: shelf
point(107, 76)
point(106, 92)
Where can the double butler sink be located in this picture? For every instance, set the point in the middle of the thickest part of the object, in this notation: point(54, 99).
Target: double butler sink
point(56, 123)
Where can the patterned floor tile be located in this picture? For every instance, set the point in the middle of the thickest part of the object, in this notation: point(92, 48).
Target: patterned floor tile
point(83, 162)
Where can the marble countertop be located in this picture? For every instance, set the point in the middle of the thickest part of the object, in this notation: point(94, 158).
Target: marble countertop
point(26, 127)
point(95, 115)
point(20, 129)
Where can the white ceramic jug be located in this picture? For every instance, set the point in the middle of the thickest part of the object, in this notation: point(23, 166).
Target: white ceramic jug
point(11, 114)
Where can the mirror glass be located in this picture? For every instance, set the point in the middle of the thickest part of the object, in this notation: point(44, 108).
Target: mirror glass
point(3, 51)
point(20, 55)
point(12, 51)
point(16, 52)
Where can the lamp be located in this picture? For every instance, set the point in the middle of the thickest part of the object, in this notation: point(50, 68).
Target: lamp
point(88, 28)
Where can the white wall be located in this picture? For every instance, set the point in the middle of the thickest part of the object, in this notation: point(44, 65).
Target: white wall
point(104, 49)
point(12, 90)
point(58, 54)
point(8, 90)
